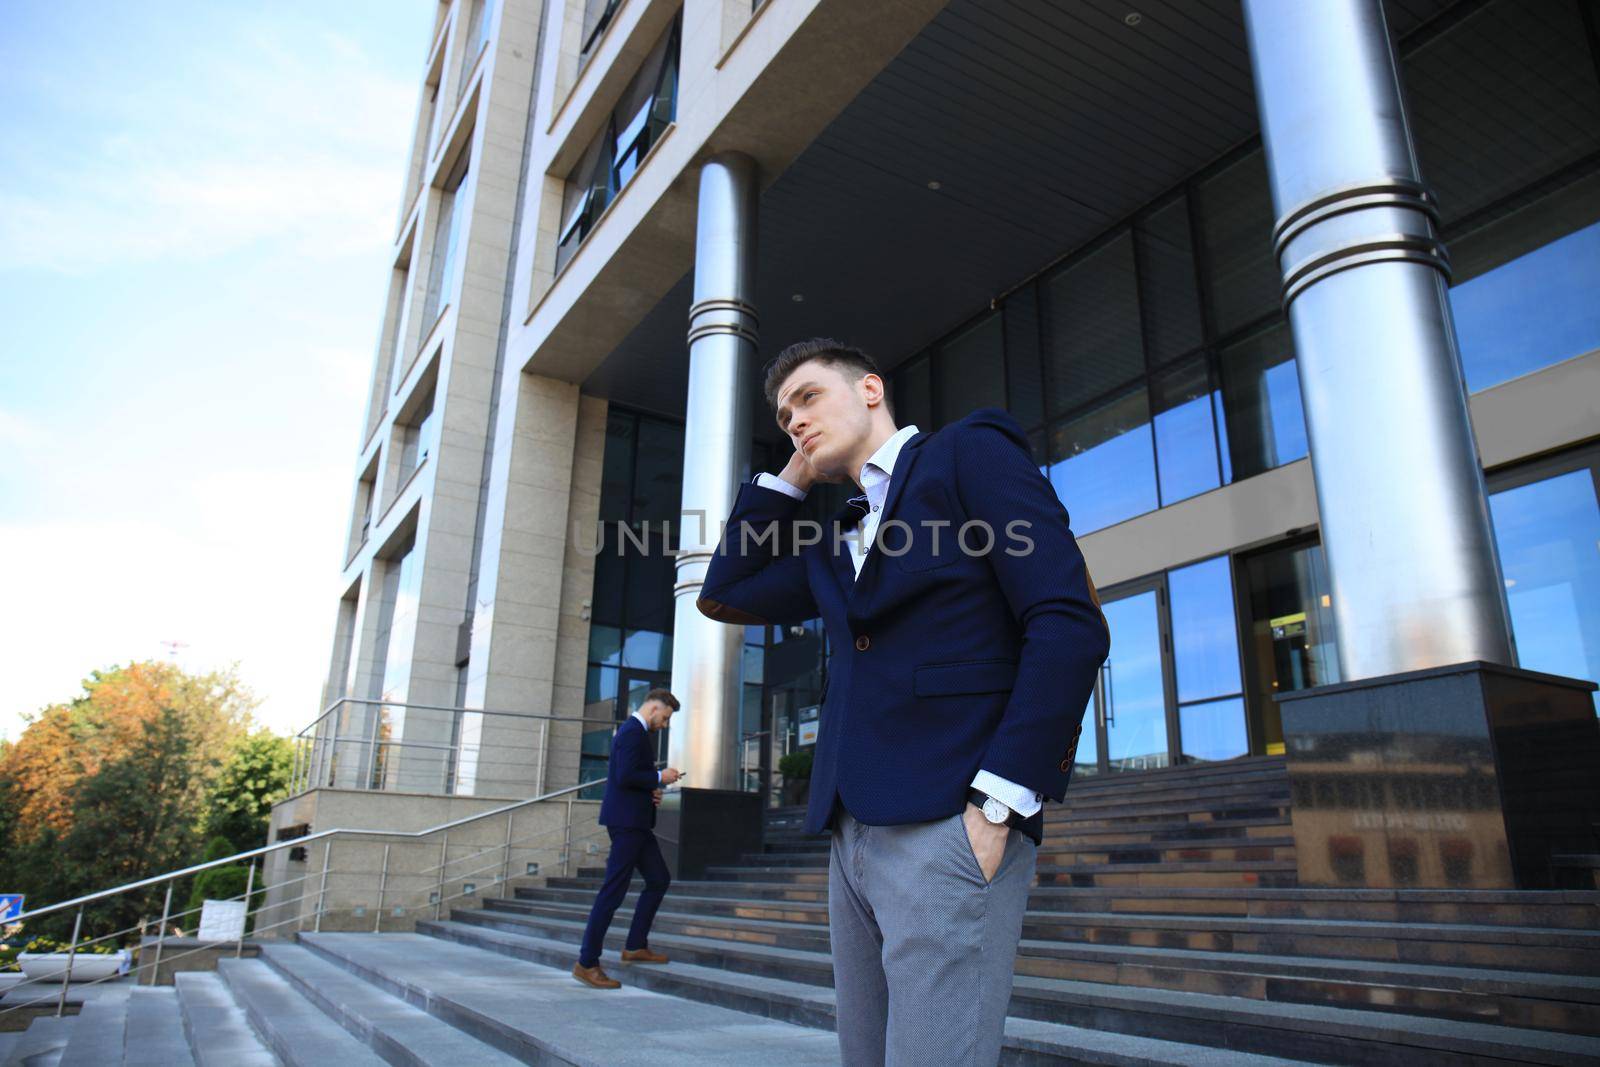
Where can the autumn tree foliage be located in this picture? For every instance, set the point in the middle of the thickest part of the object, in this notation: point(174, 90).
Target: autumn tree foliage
point(120, 783)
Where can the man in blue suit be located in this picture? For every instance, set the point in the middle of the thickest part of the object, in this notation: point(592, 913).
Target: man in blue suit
point(628, 812)
point(966, 636)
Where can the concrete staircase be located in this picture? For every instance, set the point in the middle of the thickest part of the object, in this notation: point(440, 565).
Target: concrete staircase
point(1166, 929)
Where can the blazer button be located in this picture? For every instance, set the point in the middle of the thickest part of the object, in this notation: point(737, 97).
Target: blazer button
point(863, 643)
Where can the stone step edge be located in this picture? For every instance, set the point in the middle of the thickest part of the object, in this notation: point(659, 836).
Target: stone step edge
point(1476, 933)
point(1465, 979)
point(238, 977)
point(1369, 1026)
point(291, 960)
point(1082, 1045)
point(446, 1008)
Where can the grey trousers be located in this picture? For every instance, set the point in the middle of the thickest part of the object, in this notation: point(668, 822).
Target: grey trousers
point(923, 947)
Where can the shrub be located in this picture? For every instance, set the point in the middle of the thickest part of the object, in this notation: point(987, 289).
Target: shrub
point(796, 764)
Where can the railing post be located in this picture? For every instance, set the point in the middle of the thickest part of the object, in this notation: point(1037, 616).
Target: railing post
point(322, 891)
point(505, 865)
point(161, 936)
point(566, 841)
point(444, 852)
point(383, 883)
point(544, 753)
point(249, 887)
point(72, 954)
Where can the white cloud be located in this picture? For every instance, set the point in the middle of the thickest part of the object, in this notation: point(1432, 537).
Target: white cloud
point(299, 147)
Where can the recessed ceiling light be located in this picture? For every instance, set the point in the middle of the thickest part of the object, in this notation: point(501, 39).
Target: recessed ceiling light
point(1133, 18)
point(935, 186)
point(798, 298)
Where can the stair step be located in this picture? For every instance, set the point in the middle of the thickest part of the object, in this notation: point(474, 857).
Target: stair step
point(1566, 1003)
point(154, 1036)
point(399, 1032)
point(97, 1035)
point(43, 1042)
point(292, 1026)
point(1312, 1031)
point(1027, 1041)
point(537, 1012)
point(218, 1032)
point(1428, 944)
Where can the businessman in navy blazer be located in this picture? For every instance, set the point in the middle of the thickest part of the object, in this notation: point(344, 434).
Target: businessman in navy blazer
point(966, 636)
point(628, 812)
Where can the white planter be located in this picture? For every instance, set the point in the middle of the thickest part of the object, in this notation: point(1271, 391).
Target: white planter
point(86, 966)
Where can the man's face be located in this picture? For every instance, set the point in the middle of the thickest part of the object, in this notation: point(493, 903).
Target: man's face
point(656, 713)
point(825, 415)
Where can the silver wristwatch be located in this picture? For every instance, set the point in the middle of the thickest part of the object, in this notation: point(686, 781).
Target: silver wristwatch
point(995, 811)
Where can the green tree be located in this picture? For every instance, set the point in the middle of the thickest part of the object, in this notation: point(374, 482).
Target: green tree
point(136, 817)
point(255, 776)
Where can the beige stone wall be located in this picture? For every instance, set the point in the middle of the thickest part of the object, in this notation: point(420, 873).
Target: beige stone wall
point(387, 881)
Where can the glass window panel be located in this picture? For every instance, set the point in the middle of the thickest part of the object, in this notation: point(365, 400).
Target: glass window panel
point(610, 578)
point(605, 645)
point(1024, 368)
point(1167, 283)
point(1205, 640)
point(1534, 311)
point(1105, 468)
point(1548, 533)
point(648, 649)
point(1136, 710)
point(1186, 443)
point(658, 477)
point(616, 475)
point(971, 369)
point(1291, 633)
point(1266, 427)
point(1213, 731)
point(754, 659)
point(600, 694)
point(1236, 222)
point(1506, 96)
point(648, 593)
point(1092, 342)
point(913, 395)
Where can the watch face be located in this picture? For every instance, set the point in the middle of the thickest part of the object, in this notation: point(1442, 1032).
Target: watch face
point(995, 811)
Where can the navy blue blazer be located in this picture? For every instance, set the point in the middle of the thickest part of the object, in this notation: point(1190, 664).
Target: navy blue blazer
point(946, 660)
point(630, 779)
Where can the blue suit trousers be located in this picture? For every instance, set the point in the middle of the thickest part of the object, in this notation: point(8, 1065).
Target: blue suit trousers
point(631, 849)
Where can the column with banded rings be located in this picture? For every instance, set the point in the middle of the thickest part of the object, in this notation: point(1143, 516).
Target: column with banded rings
point(716, 459)
point(1405, 521)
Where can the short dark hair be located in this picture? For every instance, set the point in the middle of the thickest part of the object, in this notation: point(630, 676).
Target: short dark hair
point(855, 364)
point(663, 695)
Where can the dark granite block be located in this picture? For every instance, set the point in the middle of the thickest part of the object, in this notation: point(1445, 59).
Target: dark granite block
point(1468, 776)
point(703, 828)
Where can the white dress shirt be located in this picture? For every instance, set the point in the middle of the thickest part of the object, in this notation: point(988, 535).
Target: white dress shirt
point(646, 726)
point(874, 481)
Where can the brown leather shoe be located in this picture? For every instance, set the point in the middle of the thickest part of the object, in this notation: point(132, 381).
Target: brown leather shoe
point(594, 976)
point(642, 955)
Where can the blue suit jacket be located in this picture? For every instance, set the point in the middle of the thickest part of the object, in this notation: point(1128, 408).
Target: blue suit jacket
point(944, 662)
point(631, 779)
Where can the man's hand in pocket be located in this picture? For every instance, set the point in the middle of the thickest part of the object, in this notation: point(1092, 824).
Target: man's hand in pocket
point(988, 840)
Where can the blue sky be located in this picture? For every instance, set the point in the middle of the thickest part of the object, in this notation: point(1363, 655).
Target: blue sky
point(197, 203)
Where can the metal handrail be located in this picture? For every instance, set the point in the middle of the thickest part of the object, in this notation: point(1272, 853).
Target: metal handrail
point(312, 746)
point(159, 879)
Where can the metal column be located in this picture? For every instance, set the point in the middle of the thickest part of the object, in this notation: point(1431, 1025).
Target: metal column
point(716, 458)
point(1405, 518)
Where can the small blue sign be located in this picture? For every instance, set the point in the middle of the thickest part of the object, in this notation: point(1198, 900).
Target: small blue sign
point(10, 906)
